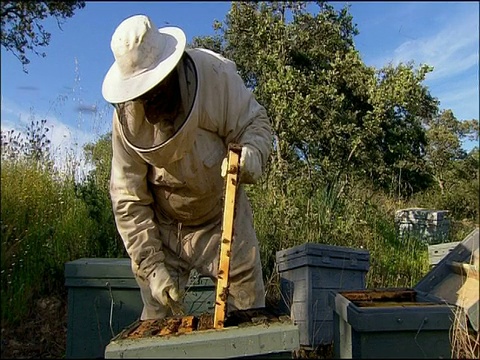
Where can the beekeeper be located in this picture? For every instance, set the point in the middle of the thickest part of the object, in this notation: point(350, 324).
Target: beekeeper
point(176, 111)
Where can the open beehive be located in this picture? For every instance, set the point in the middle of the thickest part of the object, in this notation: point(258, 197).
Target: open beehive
point(177, 325)
point(256, 332)
point(386, 298)
point(390, 323)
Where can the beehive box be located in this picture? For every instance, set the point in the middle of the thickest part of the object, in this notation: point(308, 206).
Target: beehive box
point(308, 273)
point(247, 333)
point(407, 323)
point(104, 298)
point(390, 323)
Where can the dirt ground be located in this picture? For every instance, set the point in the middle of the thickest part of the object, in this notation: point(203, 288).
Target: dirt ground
point(42, 336)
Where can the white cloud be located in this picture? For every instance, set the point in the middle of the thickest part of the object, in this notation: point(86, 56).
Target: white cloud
point(445, 36)
point(66, 142)
point(451, 51)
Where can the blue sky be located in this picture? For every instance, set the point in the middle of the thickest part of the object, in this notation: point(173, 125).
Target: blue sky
point(65, 86)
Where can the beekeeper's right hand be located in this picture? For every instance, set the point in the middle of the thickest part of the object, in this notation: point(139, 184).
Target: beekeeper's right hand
point(162, 285)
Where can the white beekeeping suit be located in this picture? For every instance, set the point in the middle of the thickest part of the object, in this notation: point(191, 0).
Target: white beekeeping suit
point(166, 183)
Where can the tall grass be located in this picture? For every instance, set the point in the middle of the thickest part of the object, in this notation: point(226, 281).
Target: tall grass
point(43, 225)
point(465, 341)
point(350, 215)
point(47, 219)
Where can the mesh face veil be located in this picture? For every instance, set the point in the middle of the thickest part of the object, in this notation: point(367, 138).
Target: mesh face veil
point(150, 120)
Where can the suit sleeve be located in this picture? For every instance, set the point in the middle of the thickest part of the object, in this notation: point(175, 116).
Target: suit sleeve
point(238, 116)
point(132, 205)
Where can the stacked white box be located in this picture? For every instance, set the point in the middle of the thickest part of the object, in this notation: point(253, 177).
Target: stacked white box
point(429, 226)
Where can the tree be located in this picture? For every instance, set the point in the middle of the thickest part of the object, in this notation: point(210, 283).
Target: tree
point(21, 24)
point(444, 150)
point(402, 108)
point(283, 53)
point(94, 191)
point(100, 155)
point(332, 115)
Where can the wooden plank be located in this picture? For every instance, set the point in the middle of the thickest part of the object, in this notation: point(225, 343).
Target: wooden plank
point(232, 183)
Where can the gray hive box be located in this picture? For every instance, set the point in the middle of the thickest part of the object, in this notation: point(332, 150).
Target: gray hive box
point(93, 319)
point(404, 323)
point(308, 273)
point(439, 251)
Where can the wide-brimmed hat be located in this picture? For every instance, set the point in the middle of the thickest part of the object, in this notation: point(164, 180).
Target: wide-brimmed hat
point(144, 56)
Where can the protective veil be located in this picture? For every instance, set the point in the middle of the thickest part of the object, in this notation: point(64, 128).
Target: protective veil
point(167, 192)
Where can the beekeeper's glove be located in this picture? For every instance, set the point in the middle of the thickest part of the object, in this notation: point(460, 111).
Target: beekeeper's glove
point(162, 285)
point(250, 165)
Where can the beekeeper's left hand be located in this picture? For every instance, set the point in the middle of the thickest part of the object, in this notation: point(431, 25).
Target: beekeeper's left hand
point(250, 165)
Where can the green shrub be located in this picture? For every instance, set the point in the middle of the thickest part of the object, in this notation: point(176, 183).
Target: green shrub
point(106, 241)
